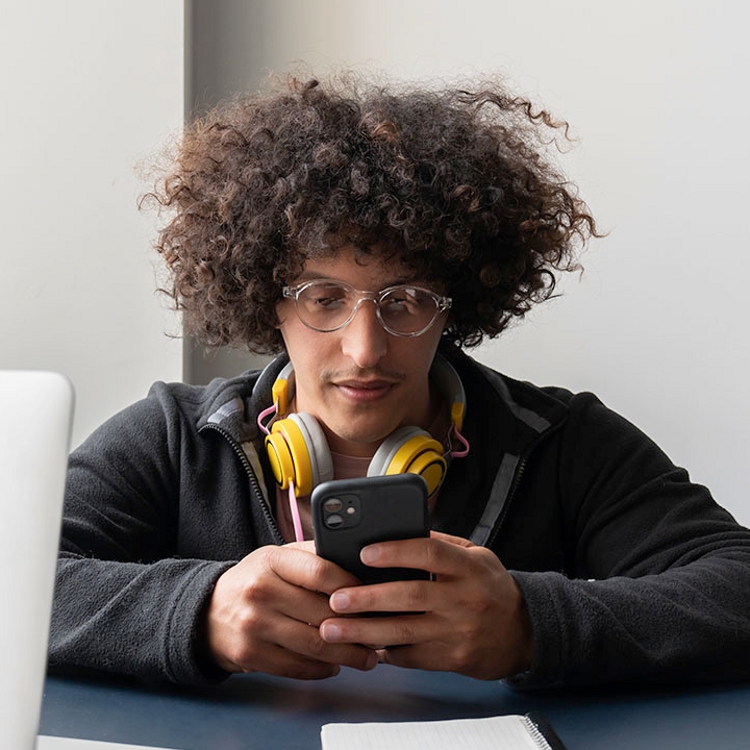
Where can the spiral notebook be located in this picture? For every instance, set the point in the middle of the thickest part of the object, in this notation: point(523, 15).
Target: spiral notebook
point(511, 732)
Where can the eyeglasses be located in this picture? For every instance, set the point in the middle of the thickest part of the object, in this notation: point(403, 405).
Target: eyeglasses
point(403, 309)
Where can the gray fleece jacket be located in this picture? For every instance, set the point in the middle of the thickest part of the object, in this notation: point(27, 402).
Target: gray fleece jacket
point(629, 570)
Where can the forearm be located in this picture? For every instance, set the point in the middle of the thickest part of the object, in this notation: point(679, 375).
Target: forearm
point(136, 619)
point(689, 623)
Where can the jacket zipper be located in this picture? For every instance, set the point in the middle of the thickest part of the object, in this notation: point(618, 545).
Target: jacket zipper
point(517, 481)
point(508, 501)
point(270, 520)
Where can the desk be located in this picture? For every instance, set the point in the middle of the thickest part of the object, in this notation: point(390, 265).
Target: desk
point(256, 711)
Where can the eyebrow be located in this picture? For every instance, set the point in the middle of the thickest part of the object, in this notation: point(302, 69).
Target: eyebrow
point(312, 276)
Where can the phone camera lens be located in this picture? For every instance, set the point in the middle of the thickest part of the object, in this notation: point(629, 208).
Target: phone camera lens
point(334, 521)
point(333, 505)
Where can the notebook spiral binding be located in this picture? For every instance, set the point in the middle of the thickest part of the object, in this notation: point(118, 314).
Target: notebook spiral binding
point(536, 733)
point(542, 733)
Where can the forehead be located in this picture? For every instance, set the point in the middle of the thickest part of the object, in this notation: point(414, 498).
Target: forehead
point(373, 269)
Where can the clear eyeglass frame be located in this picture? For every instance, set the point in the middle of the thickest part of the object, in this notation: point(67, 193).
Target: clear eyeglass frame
point(441, 304)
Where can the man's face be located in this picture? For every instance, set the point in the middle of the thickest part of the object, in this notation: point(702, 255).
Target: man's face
point(359, 382)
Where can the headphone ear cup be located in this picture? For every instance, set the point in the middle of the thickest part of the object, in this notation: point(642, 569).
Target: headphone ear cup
point(298, 451)
point(410, 450)
point(317, 445)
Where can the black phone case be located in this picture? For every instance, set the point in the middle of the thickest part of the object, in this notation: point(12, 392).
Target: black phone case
point(372, 509)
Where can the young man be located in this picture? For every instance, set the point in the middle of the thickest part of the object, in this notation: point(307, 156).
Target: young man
point(367, 237)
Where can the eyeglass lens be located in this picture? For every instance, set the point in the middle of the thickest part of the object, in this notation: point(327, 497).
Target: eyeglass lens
point(403, 309)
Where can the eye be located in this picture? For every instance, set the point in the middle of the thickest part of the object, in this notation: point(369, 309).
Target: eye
point(324, 297)
point(328, 301)
point(404, 300)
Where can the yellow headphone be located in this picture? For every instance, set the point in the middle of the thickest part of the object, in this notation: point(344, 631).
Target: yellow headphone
point(298, 451)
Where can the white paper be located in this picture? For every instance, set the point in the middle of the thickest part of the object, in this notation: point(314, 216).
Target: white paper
point(48, 742)
point(493, 733)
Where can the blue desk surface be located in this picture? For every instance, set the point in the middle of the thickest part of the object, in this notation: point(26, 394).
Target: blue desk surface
point(256, 711)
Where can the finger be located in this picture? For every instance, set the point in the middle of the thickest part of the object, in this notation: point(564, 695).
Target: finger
point(394, 596)
point(396, 630)
point(446, 654)
point(459, 541)
point(272, 595)
point(278, 661)
point(411, 657)
point(296, 603)
point(254, 588)
point(304, 568)
point(306, 641)
point(307, 546)
point(285, 645)
point(436, 555)
point(246, 596)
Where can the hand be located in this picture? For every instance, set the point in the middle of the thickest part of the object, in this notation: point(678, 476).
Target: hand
point(265, 612)
point(474, 619)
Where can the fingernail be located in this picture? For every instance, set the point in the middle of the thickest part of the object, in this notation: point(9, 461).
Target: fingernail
point(339, 601)
point(330, 632)
point(372, 660)
point(370, 554)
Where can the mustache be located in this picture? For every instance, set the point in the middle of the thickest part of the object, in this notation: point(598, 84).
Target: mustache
point(375, 373)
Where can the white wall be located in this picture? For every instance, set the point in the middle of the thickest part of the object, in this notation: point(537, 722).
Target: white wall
point(657, 93)
point(88, 89)
point(657, 96)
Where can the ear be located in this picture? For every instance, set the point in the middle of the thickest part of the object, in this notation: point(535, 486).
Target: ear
point(280, 319)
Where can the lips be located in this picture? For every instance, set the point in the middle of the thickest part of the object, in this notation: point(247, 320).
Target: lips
point(364, 390)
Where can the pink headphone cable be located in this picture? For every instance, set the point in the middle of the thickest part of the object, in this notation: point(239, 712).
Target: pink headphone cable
point(298, 532)
point(464, 442)
point(270, 410)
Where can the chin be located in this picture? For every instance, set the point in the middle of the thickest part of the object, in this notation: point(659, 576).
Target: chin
point(367, 438)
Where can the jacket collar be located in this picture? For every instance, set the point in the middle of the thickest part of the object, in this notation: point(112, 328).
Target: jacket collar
point(234, 403)
point(505, 420)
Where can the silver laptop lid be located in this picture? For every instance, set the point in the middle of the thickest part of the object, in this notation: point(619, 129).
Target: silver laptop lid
point(35, 423)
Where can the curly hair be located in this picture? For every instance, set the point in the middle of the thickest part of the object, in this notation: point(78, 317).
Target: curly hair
point(456, 182)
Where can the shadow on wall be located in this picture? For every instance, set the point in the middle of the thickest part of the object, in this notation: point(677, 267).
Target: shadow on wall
point(200, 366)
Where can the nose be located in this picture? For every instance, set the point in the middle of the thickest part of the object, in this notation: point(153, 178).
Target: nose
point(364, 340)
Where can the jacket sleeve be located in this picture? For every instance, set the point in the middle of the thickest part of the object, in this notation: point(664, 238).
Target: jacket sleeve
point(657, 584)
point(124, 601)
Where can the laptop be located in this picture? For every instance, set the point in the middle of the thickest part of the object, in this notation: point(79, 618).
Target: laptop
point(35, 421)
point(36, 410)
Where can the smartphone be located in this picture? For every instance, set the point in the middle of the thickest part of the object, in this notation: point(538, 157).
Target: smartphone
point(349, 514)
